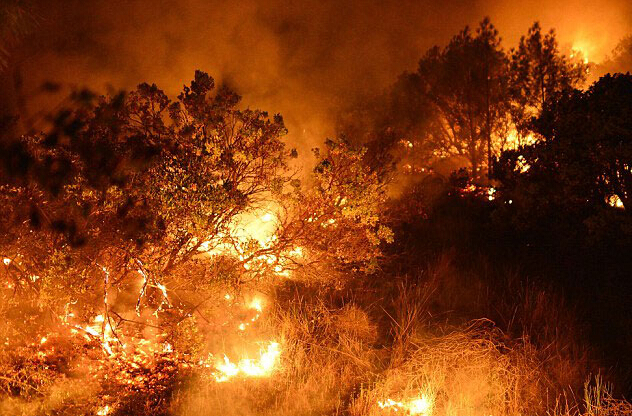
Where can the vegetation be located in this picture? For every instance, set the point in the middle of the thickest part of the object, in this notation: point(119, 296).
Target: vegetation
point(467, 102)
point(163, 257)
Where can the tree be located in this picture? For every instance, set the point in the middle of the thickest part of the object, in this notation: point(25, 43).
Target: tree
point(337, 219)
point(455, 104)
point(466, 82)
point(120, 223)
point(467, 100)
point(539, 73)
point(140, 183)
point(620, 60)
point(582, 168)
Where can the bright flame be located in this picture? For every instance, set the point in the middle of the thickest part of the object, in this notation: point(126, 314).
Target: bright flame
point(522, 165)
point(615, 202)
point(249, 367)
point(98, 329)
point(581, 50)
point(256, 304)
point(103, 411)
point(515, 140)
point(490, 194)
point(419, 406)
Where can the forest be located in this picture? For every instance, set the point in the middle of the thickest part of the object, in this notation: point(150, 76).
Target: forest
point(460, 246)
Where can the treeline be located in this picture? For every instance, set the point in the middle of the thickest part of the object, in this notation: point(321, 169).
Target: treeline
point(468, 101)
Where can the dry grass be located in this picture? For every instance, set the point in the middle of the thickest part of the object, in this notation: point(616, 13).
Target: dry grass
point(338, 361)
point(345, 352)
point(327, 351)
point(464, 372)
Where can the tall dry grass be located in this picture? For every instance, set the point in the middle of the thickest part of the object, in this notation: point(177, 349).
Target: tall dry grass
point(460, 341)
point(327, 350)
point(374, 349)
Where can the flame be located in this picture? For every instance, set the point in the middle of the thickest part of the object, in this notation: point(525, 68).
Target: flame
point(98, 329)
point(103, 411)
point(514, 140)
point(490, 193)
point(522, 165)
point(256, 304)
point(259, 227)
point(248, 367)
point(581, 49)
point(131, 355)
point(419, 406)
point(615, 202)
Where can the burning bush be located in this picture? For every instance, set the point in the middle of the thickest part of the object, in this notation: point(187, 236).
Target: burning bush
point(143, 230)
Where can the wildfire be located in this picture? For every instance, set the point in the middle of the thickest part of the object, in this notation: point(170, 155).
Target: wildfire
point(522, 165)
point(99, 328)
point(514, 140)
point(615, 202)
point(249, 367)
point(103, 411)
point(260, 228)
point(490, 194)
point(580, 50)
point(256, 304)
point(128, 358)
point(419, 406)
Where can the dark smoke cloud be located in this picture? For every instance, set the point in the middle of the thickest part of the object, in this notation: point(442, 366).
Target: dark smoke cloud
point(304, 59)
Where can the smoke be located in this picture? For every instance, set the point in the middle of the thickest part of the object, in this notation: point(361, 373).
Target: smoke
point(594, 27)
point(303, 59)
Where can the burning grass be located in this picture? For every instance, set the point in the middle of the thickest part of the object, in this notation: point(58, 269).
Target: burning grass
point(468, 371)
point(334, 352)
point(317, 341)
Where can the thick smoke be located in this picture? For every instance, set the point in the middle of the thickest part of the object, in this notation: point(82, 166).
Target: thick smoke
point(303, 59)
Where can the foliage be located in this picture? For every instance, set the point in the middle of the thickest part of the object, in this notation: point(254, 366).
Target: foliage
point(338, 220)
point(122, 226)
point(582, 168)
point(466, 102)
point(128, 277)
point(135, 185)
point(539, 73)
point(466, 81)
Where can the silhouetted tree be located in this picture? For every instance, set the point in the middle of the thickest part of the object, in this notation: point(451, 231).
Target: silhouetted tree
point(467, 99)
point(466, 83)
point(621, 58)
point(582, 168)
point(538, 72)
